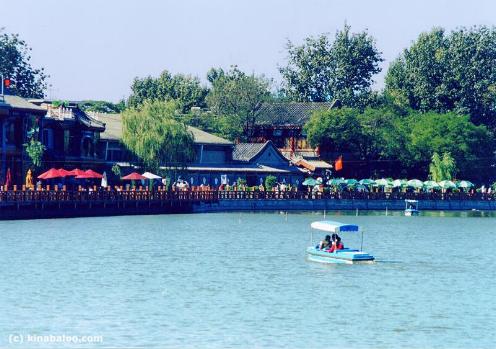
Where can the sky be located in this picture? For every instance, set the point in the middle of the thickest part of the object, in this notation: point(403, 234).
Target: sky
point(93, 49)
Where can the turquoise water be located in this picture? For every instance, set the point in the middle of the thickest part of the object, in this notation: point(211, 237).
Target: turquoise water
point(240, 280)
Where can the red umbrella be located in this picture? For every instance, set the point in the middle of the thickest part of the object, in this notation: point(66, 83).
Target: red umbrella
point(90, 174)
point(64, 173)
point(8, 178)
point(76, 172)
point(51, 173)
point(133, 177)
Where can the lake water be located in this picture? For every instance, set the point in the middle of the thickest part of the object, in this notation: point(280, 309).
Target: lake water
point(240, 280)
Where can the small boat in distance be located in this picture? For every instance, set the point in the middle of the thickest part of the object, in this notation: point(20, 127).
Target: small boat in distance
point(411, 208)
point(345, 255)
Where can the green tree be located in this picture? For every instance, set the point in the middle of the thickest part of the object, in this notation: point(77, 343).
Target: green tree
point(270, 182)
point(155, 135)
point(186, 90)
point(35, 150)
point(334, 130)
point(368, 135)
point(15, 65)
point(443, 168)
point(102, 106)
point(236, 97)
point(323, 70)
point(448, 72)
point(471, 146)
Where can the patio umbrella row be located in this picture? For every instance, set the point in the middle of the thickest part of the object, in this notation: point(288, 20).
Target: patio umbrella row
point(384, 182)
point(80, 174)
point(77, 173)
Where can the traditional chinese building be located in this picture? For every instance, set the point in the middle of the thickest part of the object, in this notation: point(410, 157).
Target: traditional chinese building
point(17, 118)
point(282, 123)
point(217, 160)
point(70, 135)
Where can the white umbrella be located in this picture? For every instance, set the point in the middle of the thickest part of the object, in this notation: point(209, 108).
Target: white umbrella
point(150, 175)
point(104, 180)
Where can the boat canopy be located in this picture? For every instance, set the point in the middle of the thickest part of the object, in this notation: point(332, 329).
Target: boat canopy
point(412, 201)
point(334, 227)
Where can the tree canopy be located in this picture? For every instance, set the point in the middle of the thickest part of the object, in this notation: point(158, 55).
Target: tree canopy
point(102, 106)
point(235, 98)
point(381, 140)
point(445, 72)
point(323, 69)
point(186, 90)
point(155, 135)
point(15, 65)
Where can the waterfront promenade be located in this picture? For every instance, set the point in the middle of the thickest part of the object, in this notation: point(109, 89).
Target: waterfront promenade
point(25, 204)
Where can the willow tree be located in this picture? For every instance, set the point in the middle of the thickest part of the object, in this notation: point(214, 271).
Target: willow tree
point(443, 168)
point(153, 133)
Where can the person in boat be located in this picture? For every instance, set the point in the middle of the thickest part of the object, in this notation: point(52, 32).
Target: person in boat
point(336, 245)
point(325, 243)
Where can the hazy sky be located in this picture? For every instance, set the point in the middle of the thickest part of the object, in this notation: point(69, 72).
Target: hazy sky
point(93, 49)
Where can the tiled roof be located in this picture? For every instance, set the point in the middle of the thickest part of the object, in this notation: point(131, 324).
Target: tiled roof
point(113, 125)
point(312, 165)
point(289, 113)
point(247, 151)
point(202, 137)
point(113, 130)
point(16, 102)
point(89, 119)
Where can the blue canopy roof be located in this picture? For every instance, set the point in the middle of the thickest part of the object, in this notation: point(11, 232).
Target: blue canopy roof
point(334, 227)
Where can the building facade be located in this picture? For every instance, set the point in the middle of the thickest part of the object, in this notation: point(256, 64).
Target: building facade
point(217, 160)
point(19, 119)
point(283, 124)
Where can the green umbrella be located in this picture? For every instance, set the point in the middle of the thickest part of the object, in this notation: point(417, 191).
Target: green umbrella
point(351, 182)
point(399, 183)
point(367, 181)
point(310, 182)
point(383, 182)
point(415, 183)
point(447, 185)
point(431, 185)
point(360, 187)
point(336, 181)
point(465, 184)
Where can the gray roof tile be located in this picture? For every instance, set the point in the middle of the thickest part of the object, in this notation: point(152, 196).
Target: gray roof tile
point(113, 130)
point(16, 102)
point(247, 151)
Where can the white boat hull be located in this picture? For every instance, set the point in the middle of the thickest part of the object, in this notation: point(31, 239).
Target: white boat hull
point(345, 256)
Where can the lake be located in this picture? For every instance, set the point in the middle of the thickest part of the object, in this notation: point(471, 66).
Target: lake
point(241, 280)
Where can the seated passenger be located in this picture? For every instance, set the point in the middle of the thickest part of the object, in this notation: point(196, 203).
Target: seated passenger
point(324, 243)
point(336, 245)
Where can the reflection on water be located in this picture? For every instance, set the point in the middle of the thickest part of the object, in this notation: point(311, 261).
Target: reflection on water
point(241, 280)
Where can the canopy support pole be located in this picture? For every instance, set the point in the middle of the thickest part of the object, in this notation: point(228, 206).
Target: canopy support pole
point(361, 243)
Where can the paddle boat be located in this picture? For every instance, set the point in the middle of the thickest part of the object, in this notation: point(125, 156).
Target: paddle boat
point(343, 256)
point(411, 208)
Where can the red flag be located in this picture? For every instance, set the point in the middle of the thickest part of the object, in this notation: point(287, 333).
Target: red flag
point(338, 164)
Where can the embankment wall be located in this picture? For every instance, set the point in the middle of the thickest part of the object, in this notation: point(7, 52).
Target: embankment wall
point(340, 204)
